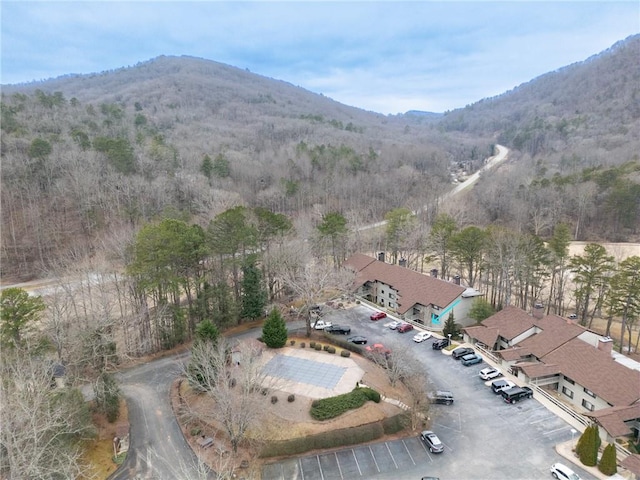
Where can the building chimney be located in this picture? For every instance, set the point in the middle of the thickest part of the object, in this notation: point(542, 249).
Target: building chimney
point(381, 256)
point(402, 262)
point(538, 310)
point(605, 344)
point(456, 279)
point(434, 273)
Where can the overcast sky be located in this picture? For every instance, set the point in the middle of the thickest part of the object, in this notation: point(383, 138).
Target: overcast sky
point(384, 56)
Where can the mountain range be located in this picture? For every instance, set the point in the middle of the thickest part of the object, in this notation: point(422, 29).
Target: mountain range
point(86, 158)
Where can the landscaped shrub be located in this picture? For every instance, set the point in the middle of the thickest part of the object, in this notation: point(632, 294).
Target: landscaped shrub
point(331, 439)
point(331, 349)
point(292, 342)
point(371, 394)
point(395, 424)
point(331, 407)
point(318, 347)
point(325, 348)
point(274, 399)
point(195, 431)
point(302, 345)
point(607, 463)
point(345, 353)
point(312, 344)
point(291, 398)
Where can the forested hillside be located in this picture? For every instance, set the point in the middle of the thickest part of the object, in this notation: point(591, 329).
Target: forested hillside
point(575, 135)
point(88, 160)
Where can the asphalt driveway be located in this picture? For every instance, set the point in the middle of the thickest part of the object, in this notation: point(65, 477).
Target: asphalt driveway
point(484, 437)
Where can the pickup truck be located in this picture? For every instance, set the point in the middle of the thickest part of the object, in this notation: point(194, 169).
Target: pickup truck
point(321, 324)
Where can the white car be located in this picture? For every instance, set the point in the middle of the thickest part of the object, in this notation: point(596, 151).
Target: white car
point(321, 325)
point(563, 472)
point(394, 325)
point(489, 373)
point(421, 337)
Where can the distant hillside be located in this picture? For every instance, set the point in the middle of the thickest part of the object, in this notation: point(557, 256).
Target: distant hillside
point(191, 137)
point(589, 109)
point(87, 160)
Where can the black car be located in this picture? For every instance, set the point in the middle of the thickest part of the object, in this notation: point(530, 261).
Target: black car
point(338, 329)
point(359, 339)
point(515, 394)
point(440, 344)
point(458, 353)
point(442, 397)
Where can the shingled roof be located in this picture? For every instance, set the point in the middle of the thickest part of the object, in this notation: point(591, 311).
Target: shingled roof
point(612, 419)
point(412, 287)
point(597, 371)
point(555, 332)
point(510, 322)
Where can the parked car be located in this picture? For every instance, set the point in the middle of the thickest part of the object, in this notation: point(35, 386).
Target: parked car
point(471, 359)
point(321, 324)
point(461, 352)
point(489, 373)
point(395, 324)
point(498, 385)
point(404, 328)
point(359, 339)
point(515, 394)
point(377, 316)
point(341, 329)
point(378, 348)
point(432, 441)
point(442, 397)
point(440, 344)
point(421, 337)
point(562, 472)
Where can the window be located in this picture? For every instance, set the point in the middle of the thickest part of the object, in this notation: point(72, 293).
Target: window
point(567, 392)
point(589, 392)
point(568, 380)
point(382, 292)
point(392, 296)
point(588, 405)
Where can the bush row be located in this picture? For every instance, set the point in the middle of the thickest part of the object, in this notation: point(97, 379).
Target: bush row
point(331, 407)
point(335, 438)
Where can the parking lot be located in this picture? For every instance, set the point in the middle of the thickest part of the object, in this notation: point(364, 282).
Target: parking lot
point(484, 437)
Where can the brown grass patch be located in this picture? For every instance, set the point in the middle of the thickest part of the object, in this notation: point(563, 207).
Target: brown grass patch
point(99, 453)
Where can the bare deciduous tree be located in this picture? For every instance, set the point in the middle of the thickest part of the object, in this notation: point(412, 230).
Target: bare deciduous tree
point(233, 378)
point(42, 426)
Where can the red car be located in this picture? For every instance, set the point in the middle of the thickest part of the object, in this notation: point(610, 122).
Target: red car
point(378, 348)
point(377, 315)
point(405, 327)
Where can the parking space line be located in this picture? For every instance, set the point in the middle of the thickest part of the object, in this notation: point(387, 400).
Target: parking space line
point(320, 467)
point(301, 469)
point(357, 464)
point(374, 459)
point(338, 462)
point(555, 430)
point(391, 454)
point(407, 449)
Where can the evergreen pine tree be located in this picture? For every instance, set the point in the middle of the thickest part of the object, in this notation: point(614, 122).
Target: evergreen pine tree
point(450, 327)
point(274, 330)
point(588, 446)
point(608, 461)
point(254, 295)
